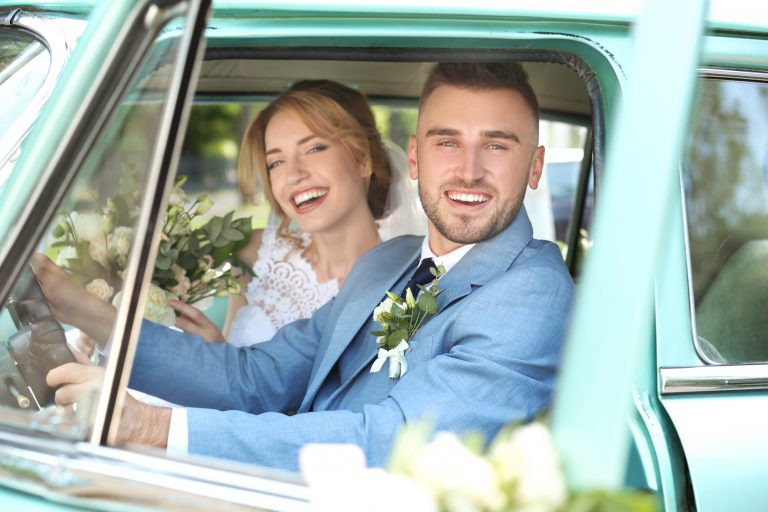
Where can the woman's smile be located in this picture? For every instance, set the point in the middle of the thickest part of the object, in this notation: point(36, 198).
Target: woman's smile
point(307, 199)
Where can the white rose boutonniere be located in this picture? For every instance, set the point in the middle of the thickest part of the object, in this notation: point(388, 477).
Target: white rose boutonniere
point(400, 319)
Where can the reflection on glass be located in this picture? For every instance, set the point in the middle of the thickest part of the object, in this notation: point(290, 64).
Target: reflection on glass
point(726, 180)
point(90, 239)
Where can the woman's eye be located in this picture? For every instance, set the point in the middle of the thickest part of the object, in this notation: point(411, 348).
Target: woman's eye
point(317, 148)
point(272, 165)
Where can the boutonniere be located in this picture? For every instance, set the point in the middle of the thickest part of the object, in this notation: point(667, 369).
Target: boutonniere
point(400, 319)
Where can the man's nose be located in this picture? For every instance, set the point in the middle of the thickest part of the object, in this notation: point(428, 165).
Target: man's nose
point(471, 164)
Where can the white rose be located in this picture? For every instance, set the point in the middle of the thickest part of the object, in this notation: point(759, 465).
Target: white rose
point(98, 251)
point(385, 307)
point(66, 254)
point(206, 262)
point(87, 225)
point(455, 473)
point(157, 308)
point(119, 241)
point(100, 288)
point(529, 458)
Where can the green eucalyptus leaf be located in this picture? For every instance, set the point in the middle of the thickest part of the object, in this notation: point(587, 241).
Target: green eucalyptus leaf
point(427, 303)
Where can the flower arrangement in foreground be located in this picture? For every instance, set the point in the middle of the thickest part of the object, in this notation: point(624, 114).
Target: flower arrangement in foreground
point(519, 471)
point(194, 259)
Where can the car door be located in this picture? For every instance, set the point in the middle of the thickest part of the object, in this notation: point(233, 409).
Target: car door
point(105, 128)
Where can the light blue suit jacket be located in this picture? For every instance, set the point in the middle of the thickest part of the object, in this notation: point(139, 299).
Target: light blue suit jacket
point(488, 357)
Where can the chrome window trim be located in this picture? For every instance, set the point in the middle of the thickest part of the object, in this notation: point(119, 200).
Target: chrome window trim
point(715, 74)
point(713, 379)
point(59, 45)
point(85, 475)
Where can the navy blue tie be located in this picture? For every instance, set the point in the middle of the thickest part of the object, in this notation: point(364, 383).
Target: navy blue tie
point(422, 276)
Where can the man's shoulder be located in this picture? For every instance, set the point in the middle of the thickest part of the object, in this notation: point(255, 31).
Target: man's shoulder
point(401, 245)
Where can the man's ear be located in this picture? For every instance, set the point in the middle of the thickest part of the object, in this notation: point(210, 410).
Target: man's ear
point(413, 166)
point(537, 166)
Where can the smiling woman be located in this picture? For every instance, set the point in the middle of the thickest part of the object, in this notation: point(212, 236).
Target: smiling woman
point(324, 169)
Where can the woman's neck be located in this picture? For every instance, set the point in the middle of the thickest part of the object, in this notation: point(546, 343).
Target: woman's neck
point(334, 252)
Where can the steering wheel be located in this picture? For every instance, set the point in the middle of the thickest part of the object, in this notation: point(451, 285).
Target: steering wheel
point(39, 344)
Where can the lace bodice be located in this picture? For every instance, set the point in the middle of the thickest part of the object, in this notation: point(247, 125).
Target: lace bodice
point(285, 289)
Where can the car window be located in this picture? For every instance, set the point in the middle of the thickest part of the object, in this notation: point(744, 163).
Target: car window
point(91, 240)
point(726, 191)
point(24, 63)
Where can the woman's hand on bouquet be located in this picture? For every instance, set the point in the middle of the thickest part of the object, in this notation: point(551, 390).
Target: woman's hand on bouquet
point(194, 321)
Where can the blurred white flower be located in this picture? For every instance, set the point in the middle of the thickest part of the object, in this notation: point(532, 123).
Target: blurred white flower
point(157, 309)
point(206, 262)
point(528, 458)
point(385, 307)
point(178, 197)
point(119, 241)
point(66, 254)
point(339, 481)
point(87, 225)
point(100, 288)
point(455, 473)
point(183, 284)
point(98, 251)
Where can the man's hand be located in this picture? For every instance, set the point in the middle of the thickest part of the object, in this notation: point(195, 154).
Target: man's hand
point(194, 321)
point(140, 423)
point(72, 304)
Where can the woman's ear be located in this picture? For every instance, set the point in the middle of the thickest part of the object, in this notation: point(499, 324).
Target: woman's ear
point(413, 166)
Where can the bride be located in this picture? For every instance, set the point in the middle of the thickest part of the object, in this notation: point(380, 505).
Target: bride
point(326, 174)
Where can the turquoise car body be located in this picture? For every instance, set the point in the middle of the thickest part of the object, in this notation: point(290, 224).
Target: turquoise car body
point(636, 405)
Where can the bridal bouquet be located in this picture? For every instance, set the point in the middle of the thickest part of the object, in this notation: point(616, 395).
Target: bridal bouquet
point(194, 260)
point(519, 471)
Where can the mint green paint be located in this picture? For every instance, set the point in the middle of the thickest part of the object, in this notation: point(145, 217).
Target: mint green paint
point(612, 315)
point(673, 308)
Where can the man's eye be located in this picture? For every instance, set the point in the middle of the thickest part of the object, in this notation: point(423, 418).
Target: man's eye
point(496, 146)
point(448, 143)
point(272, 165)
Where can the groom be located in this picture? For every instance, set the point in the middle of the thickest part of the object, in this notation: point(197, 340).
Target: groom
point(489, 355)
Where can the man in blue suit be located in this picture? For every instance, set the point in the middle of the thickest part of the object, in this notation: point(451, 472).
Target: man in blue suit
point(488, 357)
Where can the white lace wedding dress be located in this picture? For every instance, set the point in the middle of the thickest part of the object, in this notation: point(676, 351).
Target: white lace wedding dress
point(285, 289)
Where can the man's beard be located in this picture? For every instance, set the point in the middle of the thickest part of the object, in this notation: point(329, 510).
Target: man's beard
point(469, 229)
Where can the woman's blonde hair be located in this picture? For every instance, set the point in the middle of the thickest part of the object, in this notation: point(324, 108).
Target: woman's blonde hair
point(332, 111)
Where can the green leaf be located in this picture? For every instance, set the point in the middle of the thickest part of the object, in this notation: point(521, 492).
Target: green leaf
point(232, 234)
point(163, 262)
point(396, 337)
point(378, 333)
point(427, 303)
point(214, 228)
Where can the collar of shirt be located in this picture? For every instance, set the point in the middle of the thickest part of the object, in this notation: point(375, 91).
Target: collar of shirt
point(448, 260)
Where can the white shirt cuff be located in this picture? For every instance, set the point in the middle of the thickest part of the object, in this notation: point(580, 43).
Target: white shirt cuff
point(178, 432)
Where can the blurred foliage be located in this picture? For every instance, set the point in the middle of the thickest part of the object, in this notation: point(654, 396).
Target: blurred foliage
point(726, 194)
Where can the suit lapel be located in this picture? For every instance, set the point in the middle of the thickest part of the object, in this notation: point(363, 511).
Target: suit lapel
point(380, 275)
point(479, 266)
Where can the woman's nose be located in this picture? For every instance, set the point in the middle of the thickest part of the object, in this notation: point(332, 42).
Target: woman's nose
point(297, 171)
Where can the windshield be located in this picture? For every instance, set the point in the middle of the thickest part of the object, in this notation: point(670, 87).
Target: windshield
point(24, 64)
